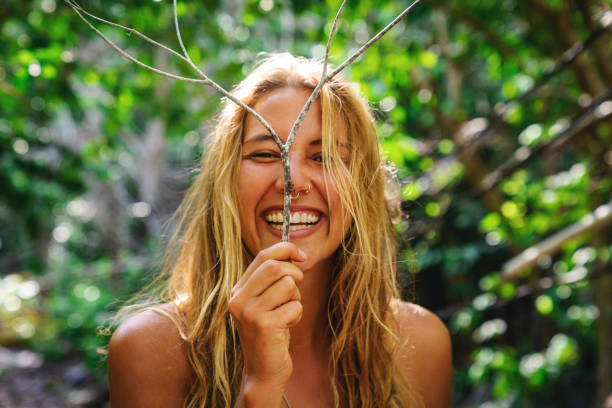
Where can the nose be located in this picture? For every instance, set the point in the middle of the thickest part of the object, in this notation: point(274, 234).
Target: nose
point(299, 175)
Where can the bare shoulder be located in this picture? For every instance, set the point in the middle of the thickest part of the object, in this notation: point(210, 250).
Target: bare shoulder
point(148, 364)
point(419, 325)
point(425, 352)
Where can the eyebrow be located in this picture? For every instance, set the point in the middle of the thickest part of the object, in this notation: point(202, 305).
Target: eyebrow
point(266, 137)
point(260, 138)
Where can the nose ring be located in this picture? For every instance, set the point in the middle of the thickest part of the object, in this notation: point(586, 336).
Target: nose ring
point(305, 191)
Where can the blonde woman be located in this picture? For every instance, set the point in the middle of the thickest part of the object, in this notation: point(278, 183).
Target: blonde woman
point(245, 320)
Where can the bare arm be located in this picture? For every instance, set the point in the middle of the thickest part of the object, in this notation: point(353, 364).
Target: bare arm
point(148, 364)
point(425, 353)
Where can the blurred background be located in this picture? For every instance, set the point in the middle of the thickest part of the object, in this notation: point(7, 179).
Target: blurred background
point(498, 115)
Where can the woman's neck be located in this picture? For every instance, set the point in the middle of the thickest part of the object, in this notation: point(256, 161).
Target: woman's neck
point(311, 335)
point(310, 341)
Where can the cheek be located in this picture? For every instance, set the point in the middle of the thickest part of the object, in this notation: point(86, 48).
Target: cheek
point(254, 183)
point(249, 181)
point(241, 191)
point(340, 218)
point(247, 201)
point(247, 191)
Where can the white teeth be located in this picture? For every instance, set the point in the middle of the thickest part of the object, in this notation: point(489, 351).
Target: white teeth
point(301, 217)
point(293, 227)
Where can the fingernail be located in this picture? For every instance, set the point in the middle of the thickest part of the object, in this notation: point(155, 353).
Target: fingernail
point(302, 254)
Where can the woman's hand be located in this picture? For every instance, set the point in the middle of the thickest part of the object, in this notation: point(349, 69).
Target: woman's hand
point(265, 303)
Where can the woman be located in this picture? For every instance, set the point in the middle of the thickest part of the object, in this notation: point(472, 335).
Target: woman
point(249, 321)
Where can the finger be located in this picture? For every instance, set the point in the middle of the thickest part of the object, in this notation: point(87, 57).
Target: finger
point(268, 274)
point(281, 251)
point(280, 292)
point(288, 314)
point(256, 311)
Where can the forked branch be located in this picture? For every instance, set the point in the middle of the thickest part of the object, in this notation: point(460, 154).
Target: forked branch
point(205, 80)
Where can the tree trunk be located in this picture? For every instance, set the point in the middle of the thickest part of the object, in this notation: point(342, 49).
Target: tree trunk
point(603, 299)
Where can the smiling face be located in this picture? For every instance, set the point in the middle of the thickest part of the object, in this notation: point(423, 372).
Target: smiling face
point(318, 221)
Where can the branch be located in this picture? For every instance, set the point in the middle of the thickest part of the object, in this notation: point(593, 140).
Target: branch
point(586, 118)
point(561, 64)
point(473, 138)
point(322, 81)
point(178, 33)
point(594, 113)
point(324, 78)
point(78, 9)
point(213, 84)
point(284, 148)
point(566, 59)
point(596, 220)
point(296, 125)
point(128, 29)
point(205, 79)
point(219, 88)
point(577, 275)
point(374, 39)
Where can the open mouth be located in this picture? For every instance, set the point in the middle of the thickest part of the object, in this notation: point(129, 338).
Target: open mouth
point(299, 219)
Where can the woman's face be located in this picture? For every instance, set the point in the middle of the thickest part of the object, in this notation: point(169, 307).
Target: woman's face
point(319, 221)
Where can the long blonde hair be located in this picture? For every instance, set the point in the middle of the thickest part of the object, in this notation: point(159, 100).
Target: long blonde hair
point(206, 256)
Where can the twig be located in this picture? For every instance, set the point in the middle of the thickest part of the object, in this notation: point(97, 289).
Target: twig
point(218, 87)
point(205, 79)
point(324, 78)
point(77, 9)
point(367, 45)
point(128, 29)
point(296, 125)
point(284, 147)
point(178, 33)
point(322, 81)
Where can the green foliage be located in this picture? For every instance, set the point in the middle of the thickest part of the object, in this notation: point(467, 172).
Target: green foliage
point(95, 152)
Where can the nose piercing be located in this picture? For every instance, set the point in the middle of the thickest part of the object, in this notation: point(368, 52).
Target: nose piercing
point(305, 191)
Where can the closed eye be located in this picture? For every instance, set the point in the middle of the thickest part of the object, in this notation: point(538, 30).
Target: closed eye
point(265, 157)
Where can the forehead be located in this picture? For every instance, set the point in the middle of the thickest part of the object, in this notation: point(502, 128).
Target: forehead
point(280, 108)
